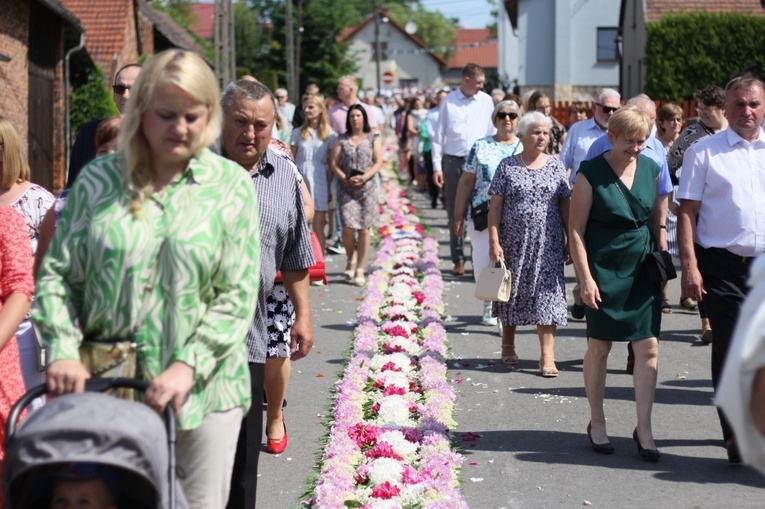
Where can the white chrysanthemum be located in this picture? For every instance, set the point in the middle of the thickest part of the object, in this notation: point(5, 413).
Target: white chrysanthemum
point(400, 292)
point(392, 378)
point(409, 345)
point(399, 443)
point(400, 360)
point(394, 410)
point(386, 470)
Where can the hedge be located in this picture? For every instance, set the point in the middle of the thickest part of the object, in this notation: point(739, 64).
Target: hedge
point(686, 52)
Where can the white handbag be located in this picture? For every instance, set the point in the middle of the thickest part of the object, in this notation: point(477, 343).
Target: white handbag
point(494, 284)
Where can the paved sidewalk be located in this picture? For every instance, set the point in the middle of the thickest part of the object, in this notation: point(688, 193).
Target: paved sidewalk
point(523, 435)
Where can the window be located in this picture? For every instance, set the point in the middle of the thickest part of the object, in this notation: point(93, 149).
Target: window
point(383, 50)
point(607, 50)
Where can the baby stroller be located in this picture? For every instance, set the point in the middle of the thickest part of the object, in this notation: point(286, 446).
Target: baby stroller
point(127, 436)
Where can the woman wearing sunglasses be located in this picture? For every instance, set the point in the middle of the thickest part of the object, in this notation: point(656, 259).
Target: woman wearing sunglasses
point(473, 187)
point(528, 218)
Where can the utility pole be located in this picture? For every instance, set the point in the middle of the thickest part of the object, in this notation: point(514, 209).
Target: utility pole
point(377, 43)
point(298, 46)
point(288, 26)
point(225, 46)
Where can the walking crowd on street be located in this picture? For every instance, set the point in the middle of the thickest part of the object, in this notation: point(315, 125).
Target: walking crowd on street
point(198, 274)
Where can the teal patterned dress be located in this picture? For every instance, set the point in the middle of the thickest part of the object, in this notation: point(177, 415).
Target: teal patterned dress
point(97, 274)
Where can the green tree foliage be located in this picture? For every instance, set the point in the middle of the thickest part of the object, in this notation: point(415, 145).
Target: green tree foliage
point(91, 100)
point(685, 52)
point(322, 58)
point(180, 11)
point(433, 28)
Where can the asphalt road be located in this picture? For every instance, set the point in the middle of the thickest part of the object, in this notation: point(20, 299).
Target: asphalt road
point(524, 436)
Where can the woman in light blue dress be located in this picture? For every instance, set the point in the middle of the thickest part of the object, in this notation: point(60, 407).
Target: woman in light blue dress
point(473, 187)
point(311, 144)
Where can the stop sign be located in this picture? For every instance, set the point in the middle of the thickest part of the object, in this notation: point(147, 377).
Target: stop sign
point(387, 78)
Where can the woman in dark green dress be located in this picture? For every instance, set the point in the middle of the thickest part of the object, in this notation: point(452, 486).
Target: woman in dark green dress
point(616, 219)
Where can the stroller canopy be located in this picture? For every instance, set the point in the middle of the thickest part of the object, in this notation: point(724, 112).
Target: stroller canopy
point(95, 428)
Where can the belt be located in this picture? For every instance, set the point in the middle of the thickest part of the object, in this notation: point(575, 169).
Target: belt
point(455, 157)
point(729, 255)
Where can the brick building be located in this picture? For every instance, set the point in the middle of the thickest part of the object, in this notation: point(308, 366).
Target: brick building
point(34, 38)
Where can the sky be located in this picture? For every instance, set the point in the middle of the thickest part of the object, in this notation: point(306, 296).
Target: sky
point(471, 13)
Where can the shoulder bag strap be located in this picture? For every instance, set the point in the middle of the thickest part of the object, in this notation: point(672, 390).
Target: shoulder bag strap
point(629, 207)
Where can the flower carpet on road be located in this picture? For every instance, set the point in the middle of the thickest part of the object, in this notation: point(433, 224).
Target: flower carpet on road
point(389, 443)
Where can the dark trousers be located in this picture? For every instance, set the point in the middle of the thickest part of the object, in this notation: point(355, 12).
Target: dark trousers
point(724, 276)
point(432, 188)
point(452, 167)
point(244, 478)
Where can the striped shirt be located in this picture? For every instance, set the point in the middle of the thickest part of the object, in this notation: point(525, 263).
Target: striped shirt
point(284, 236)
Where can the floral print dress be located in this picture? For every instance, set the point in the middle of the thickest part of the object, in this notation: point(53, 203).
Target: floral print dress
point(531, 236)
point(15, 277)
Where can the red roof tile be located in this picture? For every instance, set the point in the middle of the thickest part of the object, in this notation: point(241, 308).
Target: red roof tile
point(656, 9)
point(487, 56)
point(204, 25)
point(104, 24)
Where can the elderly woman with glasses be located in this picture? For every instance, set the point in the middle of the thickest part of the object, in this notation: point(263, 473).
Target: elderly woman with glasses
point(473, 186)
point(528, 218)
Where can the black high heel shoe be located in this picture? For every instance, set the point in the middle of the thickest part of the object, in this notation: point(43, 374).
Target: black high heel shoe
point(646, 454)
point(606, 448)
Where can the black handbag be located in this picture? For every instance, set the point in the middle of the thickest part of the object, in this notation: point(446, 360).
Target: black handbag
point(480, 216)
point(659, 267)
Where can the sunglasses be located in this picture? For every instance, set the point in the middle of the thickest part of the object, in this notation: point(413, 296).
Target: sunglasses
point(607, 109)
point(503, 115)
point(121, 89)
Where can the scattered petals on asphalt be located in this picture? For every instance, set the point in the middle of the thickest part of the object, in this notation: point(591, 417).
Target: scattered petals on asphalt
point(320, 375)
point(476, 479)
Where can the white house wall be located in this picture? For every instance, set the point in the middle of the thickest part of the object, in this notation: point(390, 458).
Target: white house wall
point(558, 46)
point(420, 66)
point(508, 41)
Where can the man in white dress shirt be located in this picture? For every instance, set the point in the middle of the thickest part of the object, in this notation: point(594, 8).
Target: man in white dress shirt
point(465, 116)
point(721, 226)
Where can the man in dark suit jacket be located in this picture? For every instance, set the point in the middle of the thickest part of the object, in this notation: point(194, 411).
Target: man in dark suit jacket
point(84, 148)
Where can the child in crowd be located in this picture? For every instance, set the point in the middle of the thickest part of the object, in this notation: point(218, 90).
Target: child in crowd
point(85, 485)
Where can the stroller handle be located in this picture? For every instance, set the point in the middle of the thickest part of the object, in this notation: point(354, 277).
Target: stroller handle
point(102, 385)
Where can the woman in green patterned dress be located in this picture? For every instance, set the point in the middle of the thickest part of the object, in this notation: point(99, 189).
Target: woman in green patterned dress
point(616, 218)
point(158, 245)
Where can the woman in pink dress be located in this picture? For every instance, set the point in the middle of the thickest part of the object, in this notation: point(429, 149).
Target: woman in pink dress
point(16, 289)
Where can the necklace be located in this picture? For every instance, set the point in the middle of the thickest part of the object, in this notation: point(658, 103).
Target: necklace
point(523, 162)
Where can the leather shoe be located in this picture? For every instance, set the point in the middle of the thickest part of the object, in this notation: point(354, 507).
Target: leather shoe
point(577, 311)
point(459, 269)
point(646, 454)
point(277, 446)
point(606, 448)
point(734, 455)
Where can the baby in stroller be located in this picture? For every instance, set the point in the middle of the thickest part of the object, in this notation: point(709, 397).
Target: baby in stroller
point(77, 485)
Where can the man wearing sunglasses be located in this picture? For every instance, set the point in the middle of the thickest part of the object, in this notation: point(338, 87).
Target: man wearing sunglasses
point(84, 148)
point(580, 137)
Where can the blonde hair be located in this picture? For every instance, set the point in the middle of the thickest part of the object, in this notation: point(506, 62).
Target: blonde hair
point(323, 130)
point(189, 72)
point(631, 122)
point(15, 165)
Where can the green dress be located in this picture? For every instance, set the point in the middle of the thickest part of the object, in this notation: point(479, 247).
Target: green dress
point(616, 249)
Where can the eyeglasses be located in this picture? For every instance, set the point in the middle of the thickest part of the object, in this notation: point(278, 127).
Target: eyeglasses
point(281, 96)
point(607, 109)
point(706, 109)
point(121, 89)
point(503, 115)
